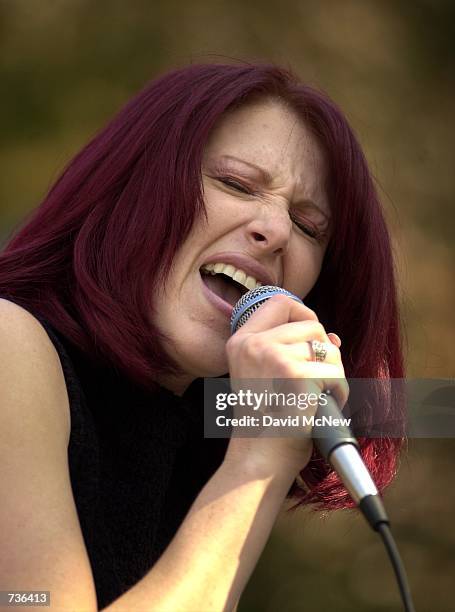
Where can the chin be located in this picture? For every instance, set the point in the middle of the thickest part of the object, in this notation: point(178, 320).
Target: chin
point(200, 349)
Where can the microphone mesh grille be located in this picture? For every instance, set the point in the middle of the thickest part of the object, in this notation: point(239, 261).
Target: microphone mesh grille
point(247, 314)
point(252, 300)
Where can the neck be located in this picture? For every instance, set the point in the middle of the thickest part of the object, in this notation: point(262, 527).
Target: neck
point(176, 384)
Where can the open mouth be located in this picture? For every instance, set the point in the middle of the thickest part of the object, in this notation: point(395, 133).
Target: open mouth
point(223, 286)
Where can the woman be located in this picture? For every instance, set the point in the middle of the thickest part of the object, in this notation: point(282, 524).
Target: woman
point(111, 318)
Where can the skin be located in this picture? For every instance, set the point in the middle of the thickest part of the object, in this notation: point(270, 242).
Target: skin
point(260, 224)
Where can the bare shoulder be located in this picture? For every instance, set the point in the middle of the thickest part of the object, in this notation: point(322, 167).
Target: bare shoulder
point(40, 536)
point(30, 370)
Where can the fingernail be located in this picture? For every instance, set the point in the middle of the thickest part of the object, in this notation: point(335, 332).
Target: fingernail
point(335, 339)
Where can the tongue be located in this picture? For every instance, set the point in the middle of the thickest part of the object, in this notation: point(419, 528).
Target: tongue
point(223, 288)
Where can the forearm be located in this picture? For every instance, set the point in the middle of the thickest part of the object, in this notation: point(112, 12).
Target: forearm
point(209, 561)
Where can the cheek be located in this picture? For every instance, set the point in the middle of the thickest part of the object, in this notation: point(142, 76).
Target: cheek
point(221, 209)
point(301, 278)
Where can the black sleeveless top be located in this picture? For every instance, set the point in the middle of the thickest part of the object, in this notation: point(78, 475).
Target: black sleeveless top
point(137, 461)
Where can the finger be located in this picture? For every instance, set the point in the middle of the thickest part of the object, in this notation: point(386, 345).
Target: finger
point(303, 351)
point(335, 339)
point(277, 310)
point(297, 331)
point(325, 376)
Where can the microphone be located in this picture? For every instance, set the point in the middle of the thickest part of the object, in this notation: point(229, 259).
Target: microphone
point(336, 443)
point(340, 448)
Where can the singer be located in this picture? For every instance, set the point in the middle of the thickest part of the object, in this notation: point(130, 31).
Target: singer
point(116, 295)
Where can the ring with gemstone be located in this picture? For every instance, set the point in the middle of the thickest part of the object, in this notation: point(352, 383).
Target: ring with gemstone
point(319, 350)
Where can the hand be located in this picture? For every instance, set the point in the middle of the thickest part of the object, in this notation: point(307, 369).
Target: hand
point(275, 343)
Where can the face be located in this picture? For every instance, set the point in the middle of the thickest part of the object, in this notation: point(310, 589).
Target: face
point(267, 216)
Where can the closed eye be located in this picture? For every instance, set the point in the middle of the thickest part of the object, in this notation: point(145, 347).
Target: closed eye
point(312, 232)
point(308, 229)
point(230, 182)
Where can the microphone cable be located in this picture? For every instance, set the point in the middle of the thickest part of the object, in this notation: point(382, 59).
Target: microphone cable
point(384, 531)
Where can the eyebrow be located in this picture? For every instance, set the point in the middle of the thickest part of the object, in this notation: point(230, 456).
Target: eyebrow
point(267, 179)
point(265, 175)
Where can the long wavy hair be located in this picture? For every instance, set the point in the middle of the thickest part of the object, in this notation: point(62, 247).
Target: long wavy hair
point(91, 256)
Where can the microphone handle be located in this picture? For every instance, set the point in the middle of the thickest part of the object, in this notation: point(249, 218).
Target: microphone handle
point(339, 447)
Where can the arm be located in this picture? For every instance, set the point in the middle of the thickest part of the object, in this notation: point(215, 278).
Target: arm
point(209, 560)
point(41, 543)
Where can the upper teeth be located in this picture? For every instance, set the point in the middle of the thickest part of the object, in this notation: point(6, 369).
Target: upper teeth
point(235, 273)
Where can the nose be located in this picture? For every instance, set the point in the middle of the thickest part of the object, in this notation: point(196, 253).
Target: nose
point(271, 230)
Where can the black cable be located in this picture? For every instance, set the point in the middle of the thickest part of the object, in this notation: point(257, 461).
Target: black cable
point(398, 567)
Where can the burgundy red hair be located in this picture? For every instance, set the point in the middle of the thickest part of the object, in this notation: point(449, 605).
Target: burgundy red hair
point(91, 256)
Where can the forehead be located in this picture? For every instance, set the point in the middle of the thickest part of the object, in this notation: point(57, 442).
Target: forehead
point(270, 135)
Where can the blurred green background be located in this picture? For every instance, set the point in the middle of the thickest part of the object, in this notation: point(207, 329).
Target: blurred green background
point(66, 66)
